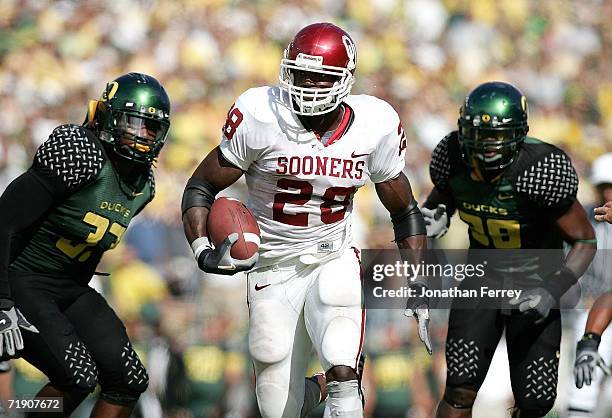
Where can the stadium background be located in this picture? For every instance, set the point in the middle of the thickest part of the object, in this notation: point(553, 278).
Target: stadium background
point(422, 56)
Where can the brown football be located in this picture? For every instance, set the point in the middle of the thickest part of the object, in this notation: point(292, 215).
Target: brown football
point(227, 216)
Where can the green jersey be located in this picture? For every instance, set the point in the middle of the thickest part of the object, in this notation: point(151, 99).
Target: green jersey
point(519, 209)
point(95, 207)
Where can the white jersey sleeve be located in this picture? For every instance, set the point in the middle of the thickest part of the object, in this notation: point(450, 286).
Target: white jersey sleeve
point(387, 160)
point(239, 139)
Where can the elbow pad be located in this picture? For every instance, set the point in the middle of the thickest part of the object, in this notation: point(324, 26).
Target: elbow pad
point(198, 193)
point(408, 222)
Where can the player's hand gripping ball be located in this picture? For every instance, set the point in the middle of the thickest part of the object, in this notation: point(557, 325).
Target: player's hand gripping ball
point(228, 216)
point(234, 232)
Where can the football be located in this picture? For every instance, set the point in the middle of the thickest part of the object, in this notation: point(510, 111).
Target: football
point(227, 216)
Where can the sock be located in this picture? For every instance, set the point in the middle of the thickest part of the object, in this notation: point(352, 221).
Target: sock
point(343, 400)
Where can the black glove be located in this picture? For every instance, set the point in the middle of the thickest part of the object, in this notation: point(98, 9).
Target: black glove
point(537, 302)
point(418, 307)
point(219, 261)
point(587, 359)
point(11, 320)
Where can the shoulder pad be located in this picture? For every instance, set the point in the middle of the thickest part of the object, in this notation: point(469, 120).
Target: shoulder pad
point(549, 179)
point(440, 167)
point(374, 110)
point(259, 103)
point(70, 155)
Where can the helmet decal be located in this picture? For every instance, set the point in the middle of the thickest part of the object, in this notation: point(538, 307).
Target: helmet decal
point(351, 51)
point(109, 93)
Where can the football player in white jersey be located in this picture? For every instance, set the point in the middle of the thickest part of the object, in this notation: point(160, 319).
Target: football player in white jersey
point(306, 147)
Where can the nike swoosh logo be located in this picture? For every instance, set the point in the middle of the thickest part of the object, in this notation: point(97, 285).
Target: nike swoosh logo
point(504, 196)
point(353, 155)
point(258, 287)
point(2, 321)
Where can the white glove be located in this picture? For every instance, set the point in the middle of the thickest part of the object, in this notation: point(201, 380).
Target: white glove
point(587, 360)
point(435, 221)
point(537, 302)
point(11, 320)
point(417, 307)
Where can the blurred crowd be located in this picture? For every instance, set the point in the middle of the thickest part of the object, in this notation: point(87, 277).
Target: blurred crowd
point(422, 56)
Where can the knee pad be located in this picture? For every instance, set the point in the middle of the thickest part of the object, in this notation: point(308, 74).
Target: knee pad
point(532, 408)
point(340, 342)
point(536, 391)
point(462, 359)
point(269, 334)
point(82, 370)
point(460, 398)
point(133, 380)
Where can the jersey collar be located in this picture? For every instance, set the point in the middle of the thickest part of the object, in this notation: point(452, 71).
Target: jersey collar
point(345, 124)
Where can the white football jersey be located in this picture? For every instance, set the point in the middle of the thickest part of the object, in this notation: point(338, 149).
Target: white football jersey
point(300, 190)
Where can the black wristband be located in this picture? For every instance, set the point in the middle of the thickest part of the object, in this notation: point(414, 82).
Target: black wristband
point(559, 282)
point(592, 336)
point(590, 340)
point(408, 222)
point(6, 304)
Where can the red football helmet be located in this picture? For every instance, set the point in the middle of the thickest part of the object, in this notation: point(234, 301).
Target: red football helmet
point(321, 48)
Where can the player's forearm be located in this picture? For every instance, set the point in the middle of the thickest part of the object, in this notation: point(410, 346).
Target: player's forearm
point(579, 257)
point(600, 315)
point(578, 231)
point(194, 223)
point(212, 175)
point(415, 242)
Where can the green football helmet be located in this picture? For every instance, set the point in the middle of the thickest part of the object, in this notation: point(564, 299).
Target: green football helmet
point(492, 126)
point(132, 117)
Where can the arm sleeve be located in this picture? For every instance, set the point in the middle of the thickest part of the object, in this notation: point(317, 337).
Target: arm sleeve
point(387, 160)
point(66, 161)
point(550, 182)
point(237, 143)
point(22, 205)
